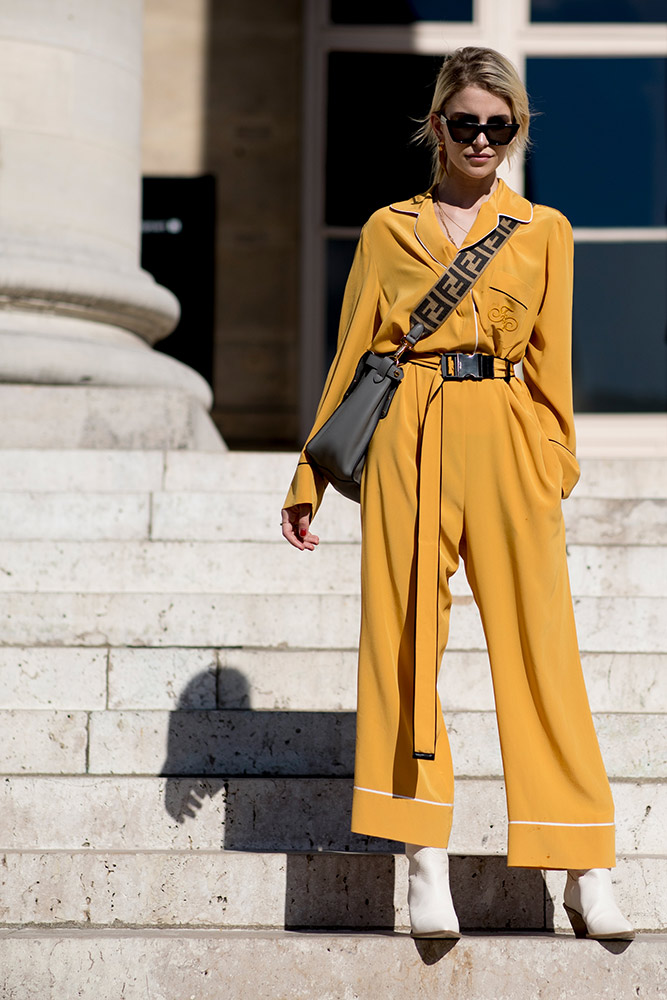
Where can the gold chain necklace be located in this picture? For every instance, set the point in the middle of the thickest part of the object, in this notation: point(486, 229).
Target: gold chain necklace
point(444, 222)
point(444, 218)
point(457, 224)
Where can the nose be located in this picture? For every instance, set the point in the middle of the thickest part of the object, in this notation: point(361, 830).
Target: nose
point(480, 142)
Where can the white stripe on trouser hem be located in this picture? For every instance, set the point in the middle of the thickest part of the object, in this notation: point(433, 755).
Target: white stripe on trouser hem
point(409, 798)
point(538, 822)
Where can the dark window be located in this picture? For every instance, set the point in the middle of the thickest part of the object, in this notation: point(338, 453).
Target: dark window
point(177, 248)
point(374, 101)
point(340, 254)
point(625, 11)
point(599, 153)
point(620, 320)
point(399, 11)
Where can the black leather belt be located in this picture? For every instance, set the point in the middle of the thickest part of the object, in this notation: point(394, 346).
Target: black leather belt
point(475, 366)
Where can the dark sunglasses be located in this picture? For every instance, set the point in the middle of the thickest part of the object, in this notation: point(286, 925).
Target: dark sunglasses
point(466, 132)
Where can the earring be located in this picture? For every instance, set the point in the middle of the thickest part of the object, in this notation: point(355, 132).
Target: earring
point(442, 156)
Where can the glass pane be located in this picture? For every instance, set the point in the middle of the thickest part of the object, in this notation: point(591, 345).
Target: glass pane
point(340, 254)
point(399, 11)
point(374, 100)
point(603, 380)
point(619, 348)
point(599, 154)
point(625, 11)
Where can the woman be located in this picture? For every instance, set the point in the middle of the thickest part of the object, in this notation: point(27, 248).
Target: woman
point(476, 468)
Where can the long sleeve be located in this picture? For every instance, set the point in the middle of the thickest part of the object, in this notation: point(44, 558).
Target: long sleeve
point(359, 321)
point(547, 365)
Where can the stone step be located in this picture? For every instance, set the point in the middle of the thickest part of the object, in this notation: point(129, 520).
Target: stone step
point(236, 743)
point(325, 680)
point(226, 889)
point(259, 568)
point(80, 470)
point(42, 813)
point(289, 620)
point(304, 680)
point(215, 517)
point(53, 964)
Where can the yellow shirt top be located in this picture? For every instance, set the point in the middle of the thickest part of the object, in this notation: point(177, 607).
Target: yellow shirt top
point(519, 309)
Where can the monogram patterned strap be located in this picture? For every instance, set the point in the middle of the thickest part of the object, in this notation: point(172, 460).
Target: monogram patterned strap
point(460, 276)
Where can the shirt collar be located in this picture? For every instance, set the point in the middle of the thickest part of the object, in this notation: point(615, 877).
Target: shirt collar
point(427, 229)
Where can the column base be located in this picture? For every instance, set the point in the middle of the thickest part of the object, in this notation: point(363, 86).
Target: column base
point(104, 417)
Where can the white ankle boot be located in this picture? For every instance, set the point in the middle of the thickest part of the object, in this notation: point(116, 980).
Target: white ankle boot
point(432, 913)
point(589, 903)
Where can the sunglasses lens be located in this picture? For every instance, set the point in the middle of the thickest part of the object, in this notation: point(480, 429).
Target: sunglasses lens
point(462, 132)
point(500, 135)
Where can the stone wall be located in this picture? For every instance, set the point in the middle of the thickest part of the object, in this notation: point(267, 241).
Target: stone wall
point(222, 95)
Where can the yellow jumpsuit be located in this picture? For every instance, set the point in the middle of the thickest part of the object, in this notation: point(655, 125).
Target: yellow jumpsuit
point(474, 469)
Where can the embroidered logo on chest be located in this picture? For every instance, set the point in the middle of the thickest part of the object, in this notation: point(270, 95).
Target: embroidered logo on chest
point(503, 317)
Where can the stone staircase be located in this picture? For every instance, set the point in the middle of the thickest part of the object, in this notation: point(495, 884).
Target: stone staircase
point(177, 693)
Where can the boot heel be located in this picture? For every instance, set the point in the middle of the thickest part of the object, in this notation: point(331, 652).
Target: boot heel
point(577, 921)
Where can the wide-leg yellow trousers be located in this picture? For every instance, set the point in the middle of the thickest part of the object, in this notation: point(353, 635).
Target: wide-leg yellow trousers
point(465, 469)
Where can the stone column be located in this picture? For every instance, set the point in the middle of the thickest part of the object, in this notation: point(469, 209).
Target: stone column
point(78, 316)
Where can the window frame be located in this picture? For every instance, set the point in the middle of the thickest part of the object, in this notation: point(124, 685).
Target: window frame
point(501, 24)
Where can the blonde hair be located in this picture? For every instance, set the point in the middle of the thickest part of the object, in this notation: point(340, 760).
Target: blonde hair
point(476, 67)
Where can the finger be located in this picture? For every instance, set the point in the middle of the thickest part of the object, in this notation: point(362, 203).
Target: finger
point(305, 534)
point(291, 536)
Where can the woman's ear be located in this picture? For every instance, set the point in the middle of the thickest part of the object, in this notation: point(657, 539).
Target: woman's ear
point(436, 125)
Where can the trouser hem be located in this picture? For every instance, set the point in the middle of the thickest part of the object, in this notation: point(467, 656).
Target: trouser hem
point(412, 821)
point(535, 845)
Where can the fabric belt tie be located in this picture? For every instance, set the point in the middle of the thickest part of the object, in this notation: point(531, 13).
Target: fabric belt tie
point(451, 368)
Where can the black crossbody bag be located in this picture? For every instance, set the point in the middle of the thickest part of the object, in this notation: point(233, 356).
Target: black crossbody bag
point(339, 448)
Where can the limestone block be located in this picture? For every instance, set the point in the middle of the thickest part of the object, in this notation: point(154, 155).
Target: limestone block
point(264, 814)
point(101, 416)
point(222, 743)
point(252, 516)
point(49, 742)
point(325, 680)
point(596, 521)
point(623, 478)
point(322, 743)
point(639, 890)
point(177, 567)
point(234, 472)
point(74, 516)
point(287, 966)
point(625, 625)
point(80, 470)
point(618, 570)
point(633, 682)
point(248, 516)
point(197, 620)
point(258, 568)
point(258, 471)
point(194, 888)
point(621, 435)
point(39, 678)
point(162, 678)
point(628, 625)
point(226, 889)
point(306, 680)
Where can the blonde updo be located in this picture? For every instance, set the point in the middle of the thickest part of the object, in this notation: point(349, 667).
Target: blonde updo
point(476, 67)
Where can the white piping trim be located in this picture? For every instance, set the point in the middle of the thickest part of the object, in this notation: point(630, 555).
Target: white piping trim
point(474, 313)
point(421, 242)
point(428, 802)
point(403, 211)
point(530, 822)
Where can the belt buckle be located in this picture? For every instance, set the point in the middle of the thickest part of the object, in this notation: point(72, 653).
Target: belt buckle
point(461, 366)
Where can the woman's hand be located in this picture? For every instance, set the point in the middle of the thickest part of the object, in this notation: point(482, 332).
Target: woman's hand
point(296, 526)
